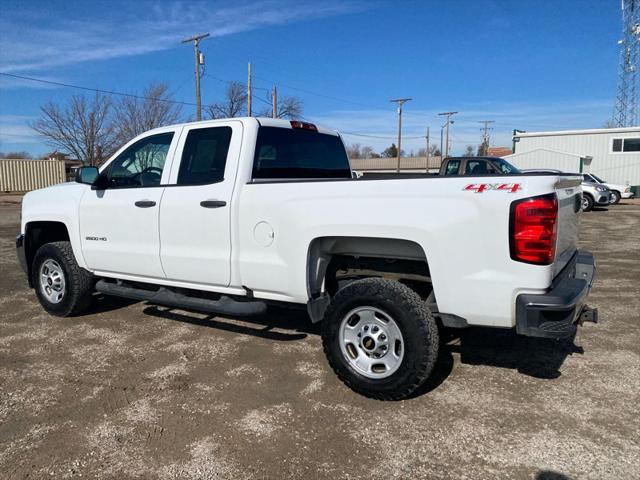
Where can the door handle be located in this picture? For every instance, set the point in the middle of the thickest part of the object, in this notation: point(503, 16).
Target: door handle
point(213, 203)
point(145, 203)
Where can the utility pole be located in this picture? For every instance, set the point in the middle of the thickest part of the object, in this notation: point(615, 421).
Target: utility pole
point(199, 61)
point(249, 91)
point(448, 115)
point(485, 135)
point(427, 154)
point(274, 103)
point(399, 102)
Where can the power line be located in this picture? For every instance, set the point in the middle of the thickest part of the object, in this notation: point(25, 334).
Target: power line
point(176, 102)
point(322, 95)
point(98, 90)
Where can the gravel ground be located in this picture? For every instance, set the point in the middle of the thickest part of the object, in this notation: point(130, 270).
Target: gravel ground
point(135, 391)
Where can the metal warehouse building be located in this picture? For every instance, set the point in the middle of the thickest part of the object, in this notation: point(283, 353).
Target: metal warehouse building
point(612, 154)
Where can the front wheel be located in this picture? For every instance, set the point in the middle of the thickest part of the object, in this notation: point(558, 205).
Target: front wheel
point(615, 197)
point(380, 338)
point(63, 288)
point(587, 203)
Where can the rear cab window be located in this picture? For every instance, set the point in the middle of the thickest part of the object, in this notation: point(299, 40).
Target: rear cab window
point(453, 166)
point(478, 167)
point(288, 153)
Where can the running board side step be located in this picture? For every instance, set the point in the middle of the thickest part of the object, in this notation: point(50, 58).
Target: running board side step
point(169, 298)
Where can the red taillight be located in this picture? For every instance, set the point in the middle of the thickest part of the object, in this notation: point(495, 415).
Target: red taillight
point(303, 125)
point(533, 228)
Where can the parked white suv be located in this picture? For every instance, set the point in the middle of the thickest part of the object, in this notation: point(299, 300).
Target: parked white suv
point(229, 216)
point(617, 191)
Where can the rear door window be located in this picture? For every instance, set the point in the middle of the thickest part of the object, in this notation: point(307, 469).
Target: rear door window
point(204, 156)
point(294, 153)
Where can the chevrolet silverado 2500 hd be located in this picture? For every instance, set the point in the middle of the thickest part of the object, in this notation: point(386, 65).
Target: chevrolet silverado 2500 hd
point(228, 216)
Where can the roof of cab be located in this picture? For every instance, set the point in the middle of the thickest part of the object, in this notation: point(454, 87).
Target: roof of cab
point(262, 121)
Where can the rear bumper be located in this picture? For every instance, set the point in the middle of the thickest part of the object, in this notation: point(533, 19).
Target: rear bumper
point(22, 257)
point(555, 314)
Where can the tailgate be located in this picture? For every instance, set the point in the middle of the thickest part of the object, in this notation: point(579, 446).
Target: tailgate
point(569, 194)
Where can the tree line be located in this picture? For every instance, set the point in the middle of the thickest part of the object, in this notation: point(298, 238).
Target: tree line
point(356, 150)
point(92, 128)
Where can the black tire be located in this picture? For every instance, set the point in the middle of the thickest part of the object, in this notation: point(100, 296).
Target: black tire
point(615, 197)
point(587, 203)
point(415, 322)
point(78, 281)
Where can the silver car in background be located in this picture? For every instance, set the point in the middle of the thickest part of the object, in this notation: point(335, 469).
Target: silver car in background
point(593, 194)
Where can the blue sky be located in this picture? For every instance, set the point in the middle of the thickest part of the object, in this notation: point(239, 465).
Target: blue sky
point(532, 65)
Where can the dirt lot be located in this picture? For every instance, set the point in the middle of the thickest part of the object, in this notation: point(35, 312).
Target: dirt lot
point(134, 391)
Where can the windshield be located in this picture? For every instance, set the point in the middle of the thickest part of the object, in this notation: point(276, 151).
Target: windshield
point(504, 166)
point(598, 179)
point(295, 153)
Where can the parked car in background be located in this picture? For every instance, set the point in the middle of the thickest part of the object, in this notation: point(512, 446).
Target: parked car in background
point(592, 194)
point(476, 166)
point(617, 191)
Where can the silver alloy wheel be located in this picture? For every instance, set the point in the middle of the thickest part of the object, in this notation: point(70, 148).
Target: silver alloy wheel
point(585, 202)
point(52, 282)
point(371, 342)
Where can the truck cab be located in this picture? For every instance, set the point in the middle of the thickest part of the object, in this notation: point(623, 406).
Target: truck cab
point(476, 166)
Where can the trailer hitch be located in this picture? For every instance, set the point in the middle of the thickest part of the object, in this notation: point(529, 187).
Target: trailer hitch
point(588, 314)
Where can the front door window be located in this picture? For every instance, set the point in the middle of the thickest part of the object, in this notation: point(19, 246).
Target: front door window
point(141, 164)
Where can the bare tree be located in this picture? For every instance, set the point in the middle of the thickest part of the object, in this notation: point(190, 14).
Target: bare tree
point(469, 152)
point(288, 107)
point(234, 104)
point(16, 155)
point(83, 128)
point(353, 151)
point(434, 150)
point(154, 108)
point(366, 152)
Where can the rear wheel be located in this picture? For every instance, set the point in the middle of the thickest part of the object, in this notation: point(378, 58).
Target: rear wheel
point(615, 197)
point(63, 288)
point(380, 338)
point(587, 203)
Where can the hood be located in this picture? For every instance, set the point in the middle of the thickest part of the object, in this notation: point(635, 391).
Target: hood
point(55, 193)
point(616, 186)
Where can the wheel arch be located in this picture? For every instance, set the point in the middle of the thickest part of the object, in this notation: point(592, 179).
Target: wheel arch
point(326, 255)
point(38, 233)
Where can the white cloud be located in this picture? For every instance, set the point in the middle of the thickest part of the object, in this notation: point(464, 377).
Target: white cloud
point(15, 130)
point(466, 129)
point(27, 45)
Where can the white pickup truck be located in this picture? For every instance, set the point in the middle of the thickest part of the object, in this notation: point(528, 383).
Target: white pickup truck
point(229, 216)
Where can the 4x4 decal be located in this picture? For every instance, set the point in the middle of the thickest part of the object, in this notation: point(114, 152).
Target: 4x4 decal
point(483, 187)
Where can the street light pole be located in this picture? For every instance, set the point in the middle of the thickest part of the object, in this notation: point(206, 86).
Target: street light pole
point(399, 102)
point(196, 46)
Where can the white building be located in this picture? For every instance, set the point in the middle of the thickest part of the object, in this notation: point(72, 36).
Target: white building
point(612, 154)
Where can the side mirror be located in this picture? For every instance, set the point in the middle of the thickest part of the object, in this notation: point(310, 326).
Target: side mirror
point(87, 175)
point(101, 183)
